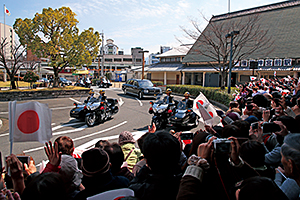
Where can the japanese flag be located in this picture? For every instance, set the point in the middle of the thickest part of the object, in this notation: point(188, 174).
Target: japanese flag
point(252, 78)
point(6, 11)
point(29, 122)
point(205, 110)
point(263, 80)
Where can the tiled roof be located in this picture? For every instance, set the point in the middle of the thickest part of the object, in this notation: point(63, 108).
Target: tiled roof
point(176, 51)
point(281, 20)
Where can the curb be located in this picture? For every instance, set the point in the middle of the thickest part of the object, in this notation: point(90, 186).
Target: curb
point(1, 123)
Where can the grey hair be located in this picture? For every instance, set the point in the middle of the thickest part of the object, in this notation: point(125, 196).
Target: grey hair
point(291, 148)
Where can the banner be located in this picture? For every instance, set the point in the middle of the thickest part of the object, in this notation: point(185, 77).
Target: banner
point(29, 122)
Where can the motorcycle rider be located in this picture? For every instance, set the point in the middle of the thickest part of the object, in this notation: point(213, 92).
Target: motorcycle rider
point(169, 98)
point(102, 97)
point(91, 94)
point(189, 103)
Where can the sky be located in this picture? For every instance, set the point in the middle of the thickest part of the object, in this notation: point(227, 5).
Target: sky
point(148, 24)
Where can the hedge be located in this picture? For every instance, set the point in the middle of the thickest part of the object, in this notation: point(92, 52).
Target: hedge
point(211, 93)
point(157, 83)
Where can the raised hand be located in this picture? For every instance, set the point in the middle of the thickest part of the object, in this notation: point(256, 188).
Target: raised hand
point(52, 153)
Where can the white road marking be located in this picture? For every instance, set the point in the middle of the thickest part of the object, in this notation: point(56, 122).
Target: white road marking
point(74, 100)
point(3, 113)
point(4, 134)
point(66, 125)
point(141, 104)
point(121, 102)
point(79, 138)
point(52, 124)
point(61, 108)
point(71, 131)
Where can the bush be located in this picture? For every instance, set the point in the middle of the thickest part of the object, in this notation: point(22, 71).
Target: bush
point(211, 93)
point(30, 77)
point(158, 83)
point(94, 81)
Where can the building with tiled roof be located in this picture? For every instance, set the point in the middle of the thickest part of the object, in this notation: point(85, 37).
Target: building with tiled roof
point(280, 22)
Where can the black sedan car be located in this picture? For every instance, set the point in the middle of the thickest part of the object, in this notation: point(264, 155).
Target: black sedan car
point(141, 88)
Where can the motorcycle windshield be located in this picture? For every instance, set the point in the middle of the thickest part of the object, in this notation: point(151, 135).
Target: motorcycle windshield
point(181, 105)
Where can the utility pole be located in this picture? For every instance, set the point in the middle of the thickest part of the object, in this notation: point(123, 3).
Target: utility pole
point(102, 53)
point(143, 60)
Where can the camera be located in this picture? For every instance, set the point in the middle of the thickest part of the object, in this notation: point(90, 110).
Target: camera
point(222, 145)
point(254, 125)
point(23, 160)
point(187, 136)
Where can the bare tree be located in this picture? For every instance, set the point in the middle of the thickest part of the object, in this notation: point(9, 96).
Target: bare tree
point(11, 61)
point(213, 48)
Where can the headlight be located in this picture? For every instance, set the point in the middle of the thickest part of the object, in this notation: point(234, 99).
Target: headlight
point(146, 91)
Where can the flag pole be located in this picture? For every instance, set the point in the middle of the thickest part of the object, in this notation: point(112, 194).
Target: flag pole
point(11, 115)
point(4, 20)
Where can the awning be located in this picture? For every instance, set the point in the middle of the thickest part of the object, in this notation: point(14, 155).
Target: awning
point(45, 71)
point(80, 72)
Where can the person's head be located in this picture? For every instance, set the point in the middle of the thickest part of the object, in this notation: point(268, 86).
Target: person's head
point(279, 111)
point(290, 151)
point(168, 91)
point(230, 130)
point(102, 143)
point(233, 104)
point(65, 145)
point(102, 92)
point(244, 127)
point(140, 141)
point(162, 152)
point(47, 186)
point(259, 188)
point(253, 153)
point(289, 122)
point(91, 92)
point(95, 162)
point(187, 95)
point(126, 137)
point(261, 101)
point(116, 156)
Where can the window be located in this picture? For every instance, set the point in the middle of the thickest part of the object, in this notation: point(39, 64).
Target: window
point(127, 59)
point(118, 60)
point(287, 62)
point(260, 63)
point(163, 60)
point(108, 59)
point(178, 59)
point(168, 59)
point(138, 60)
point(277, 62)
point(269, 62)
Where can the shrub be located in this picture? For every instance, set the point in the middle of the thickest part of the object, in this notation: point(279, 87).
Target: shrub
point(211, 93)
point(158, 83)
point(30, 77)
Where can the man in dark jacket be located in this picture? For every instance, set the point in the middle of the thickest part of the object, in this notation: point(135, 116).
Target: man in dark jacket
point(97, 177)
point(187, 100)
point(160, 178)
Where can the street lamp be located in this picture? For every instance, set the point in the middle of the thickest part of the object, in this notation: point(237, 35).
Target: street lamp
point(143, 64)
point(230, 35)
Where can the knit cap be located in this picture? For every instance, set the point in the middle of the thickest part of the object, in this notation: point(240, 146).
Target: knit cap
point(126, 137)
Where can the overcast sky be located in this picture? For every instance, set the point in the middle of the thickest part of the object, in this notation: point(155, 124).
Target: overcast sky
point(133, 23)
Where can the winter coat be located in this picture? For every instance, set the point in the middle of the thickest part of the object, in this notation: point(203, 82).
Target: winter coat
point(134, 155)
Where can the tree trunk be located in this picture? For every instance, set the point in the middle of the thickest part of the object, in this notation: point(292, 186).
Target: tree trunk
point(55, 80)
point(12, 82)
point(223, 80)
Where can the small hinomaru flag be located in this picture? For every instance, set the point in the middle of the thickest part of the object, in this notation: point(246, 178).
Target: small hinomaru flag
point(29, 122)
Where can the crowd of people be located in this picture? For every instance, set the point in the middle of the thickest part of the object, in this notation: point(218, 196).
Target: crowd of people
point(255, 154)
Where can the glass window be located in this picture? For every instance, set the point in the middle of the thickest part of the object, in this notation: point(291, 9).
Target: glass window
point(138, 60)
point(118, 60)
point(108, 59)
point(127, 59)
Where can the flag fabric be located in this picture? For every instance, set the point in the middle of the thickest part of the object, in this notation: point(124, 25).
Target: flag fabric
point(205, 110)
point(275, 73)
point(263, 80)
point(252, 78)
point(29, 122)
point(6, 11)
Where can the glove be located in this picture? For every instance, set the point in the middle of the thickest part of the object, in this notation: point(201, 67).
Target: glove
point(220, 113)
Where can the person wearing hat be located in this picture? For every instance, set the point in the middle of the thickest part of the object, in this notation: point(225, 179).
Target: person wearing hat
point(102, 95)
point(97, 177)
point(189, 103)
point(169, 98)
point(131, 154)
point(91, 94)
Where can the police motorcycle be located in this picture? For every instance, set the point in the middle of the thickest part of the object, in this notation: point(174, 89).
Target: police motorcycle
point(184, 116)
point(161, 111)
point(95, 110)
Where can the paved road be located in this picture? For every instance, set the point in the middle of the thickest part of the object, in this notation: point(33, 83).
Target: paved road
point(132, 116)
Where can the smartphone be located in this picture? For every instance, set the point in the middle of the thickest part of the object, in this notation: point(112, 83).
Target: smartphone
point(254, 125)
point(22, 159)
point(187, 136)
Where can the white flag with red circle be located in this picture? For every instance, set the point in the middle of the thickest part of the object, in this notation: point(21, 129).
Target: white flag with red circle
point(205, 110)
point(29, 122)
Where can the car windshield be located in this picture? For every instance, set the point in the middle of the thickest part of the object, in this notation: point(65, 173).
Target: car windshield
point(145, 84)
